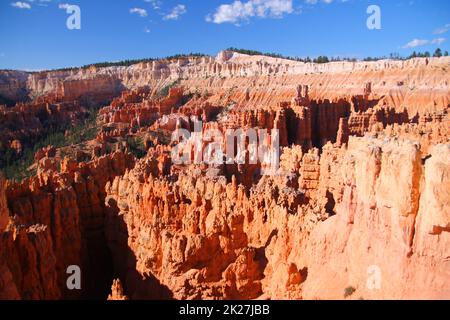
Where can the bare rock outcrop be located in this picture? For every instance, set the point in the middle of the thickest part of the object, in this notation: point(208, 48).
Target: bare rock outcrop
point(359, 201)
point(117, 292)
point(421, 84)
point(174, 232)
point(58, 222)
point(373, 242)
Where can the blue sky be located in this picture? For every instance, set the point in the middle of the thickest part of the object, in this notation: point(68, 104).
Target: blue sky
point(34, 35)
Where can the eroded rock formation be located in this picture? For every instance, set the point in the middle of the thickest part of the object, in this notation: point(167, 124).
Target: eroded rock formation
point(24, 123)
point(57, 220)
point(360, 198)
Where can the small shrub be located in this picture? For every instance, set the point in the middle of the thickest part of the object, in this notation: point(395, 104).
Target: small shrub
point(136, 147)
point(349, 291)
point(164, 92)
point(16, 166)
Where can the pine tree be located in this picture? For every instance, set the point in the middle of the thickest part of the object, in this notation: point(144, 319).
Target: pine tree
point(438, 53)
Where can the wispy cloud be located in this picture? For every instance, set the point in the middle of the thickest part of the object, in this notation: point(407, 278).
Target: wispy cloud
point(21, 5)
point(26, 4)
point(423, 42)
point(64, 6)
point(324, 1)
point(442, 30)
point(415, 43)
point(176, 12)
point(438, 41)
point(141, 12)
point(156, 4)
point(238, 11)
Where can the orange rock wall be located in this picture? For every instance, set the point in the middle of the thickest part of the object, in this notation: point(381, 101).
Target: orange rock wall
point(58, 221)
point(360, 200)
point(168, 240)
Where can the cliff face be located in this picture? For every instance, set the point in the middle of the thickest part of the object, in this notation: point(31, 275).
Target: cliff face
point(358, 208)
point(27, 122)
point(206, 238)
point(176, 240)
point(379, 224)
point(419, 84)
point(13, 85)
point(27, 262)
point(57, 221)
point(4, 214)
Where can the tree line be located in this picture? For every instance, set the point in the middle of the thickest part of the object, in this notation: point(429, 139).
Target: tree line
point(320, 59)
point(324, 59)
point(130, 62)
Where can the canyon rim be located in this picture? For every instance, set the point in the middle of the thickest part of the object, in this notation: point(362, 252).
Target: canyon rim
point(361, 192)
point(236, 176)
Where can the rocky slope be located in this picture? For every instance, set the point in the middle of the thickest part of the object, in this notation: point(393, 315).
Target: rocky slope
point(204, 237)
point(56, 221)
point(419, 84)
point(13, 84)
point(358, 207)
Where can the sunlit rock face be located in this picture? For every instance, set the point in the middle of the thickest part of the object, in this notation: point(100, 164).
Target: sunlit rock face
point(357, 208)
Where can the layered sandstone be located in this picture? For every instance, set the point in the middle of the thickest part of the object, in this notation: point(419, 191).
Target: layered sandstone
point(359, 202)
point(26, 122)
point(419, 84)
point(57, 222)
point(13, 84)
point(295, 251)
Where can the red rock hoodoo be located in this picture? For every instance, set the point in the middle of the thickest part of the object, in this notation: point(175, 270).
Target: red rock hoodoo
point(360, 197)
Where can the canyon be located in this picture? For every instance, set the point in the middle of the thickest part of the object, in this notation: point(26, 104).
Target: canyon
point(357, 208)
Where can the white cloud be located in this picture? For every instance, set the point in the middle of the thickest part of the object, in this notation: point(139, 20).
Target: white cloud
point(438, 41)
point(176, 12)
point(241, 11)
point(21, 5)
point(422, 42)
point(156, 4)
point(141, 12)
point(442, 30)
point(415, 43)
point(64, 6)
